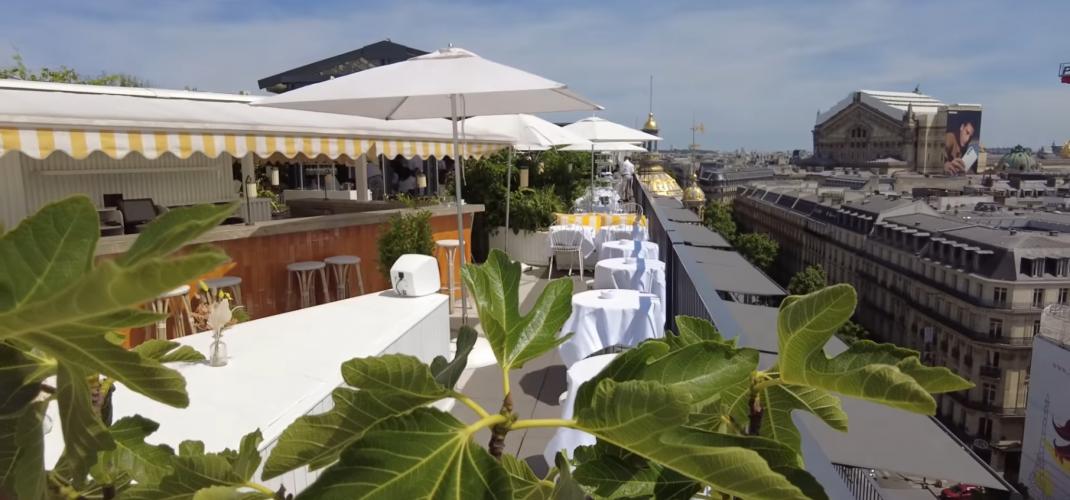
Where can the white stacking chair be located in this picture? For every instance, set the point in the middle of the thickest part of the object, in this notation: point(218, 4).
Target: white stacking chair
point(566, 242)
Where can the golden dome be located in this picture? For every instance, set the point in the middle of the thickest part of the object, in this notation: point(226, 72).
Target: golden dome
point(650, 123)
point(694, 193)
point(1066, 150)
point(652, 175)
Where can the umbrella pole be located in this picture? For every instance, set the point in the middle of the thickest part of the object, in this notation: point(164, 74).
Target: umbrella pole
point(508, 194)
point(460, 210)
point(590, 201)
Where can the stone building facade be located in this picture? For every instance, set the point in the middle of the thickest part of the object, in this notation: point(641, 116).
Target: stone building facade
point(965, 292)
point(871, 125)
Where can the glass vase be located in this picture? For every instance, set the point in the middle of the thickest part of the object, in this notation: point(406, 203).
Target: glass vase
point(219, 350)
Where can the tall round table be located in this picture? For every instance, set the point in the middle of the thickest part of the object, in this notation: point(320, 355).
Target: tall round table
point(628, 248)
point(605, 318)
point(569, 439)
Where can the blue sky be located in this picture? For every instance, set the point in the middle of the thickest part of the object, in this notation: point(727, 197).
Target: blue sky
point(754, 72)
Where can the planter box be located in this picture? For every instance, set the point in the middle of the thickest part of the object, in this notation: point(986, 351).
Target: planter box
point(530, 247)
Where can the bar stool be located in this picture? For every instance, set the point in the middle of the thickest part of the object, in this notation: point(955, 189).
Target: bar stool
point(232, 283)
point(339, 266)
point(162, 305)
point(305, 274)
point(450, 247)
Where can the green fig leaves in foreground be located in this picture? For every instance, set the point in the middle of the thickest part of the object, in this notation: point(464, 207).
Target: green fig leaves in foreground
point(881, 373)
point(516, 339)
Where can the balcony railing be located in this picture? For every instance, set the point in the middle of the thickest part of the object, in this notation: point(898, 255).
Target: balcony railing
point(991, 372)
point(987, 407)
point(950, 323)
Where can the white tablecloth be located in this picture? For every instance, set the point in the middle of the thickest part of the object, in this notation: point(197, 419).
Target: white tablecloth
point(625, 318)
point(641, 275)
point(584, 234)
point(628, 248)
point(621, 232)
point(565, 438)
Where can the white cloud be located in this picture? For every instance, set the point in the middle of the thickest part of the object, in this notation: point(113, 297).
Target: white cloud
point(754, 75)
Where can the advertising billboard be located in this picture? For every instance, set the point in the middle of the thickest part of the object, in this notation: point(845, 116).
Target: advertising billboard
point(962, 141)
point(1045, 466)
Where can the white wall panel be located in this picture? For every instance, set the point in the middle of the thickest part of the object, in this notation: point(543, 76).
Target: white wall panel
point(167, 180)
point(12, 198)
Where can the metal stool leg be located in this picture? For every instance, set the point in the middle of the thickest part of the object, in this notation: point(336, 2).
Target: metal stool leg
point(360, 279)
point(289, 290)
point(323, 282)
point(237, 294)
point(188, 311)
point(449, 279)
point(160, 306)
point(303, 284)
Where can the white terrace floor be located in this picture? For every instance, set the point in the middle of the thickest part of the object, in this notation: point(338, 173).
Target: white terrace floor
point(535, 388)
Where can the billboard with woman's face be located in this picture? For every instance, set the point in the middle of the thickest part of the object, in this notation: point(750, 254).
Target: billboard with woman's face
point(962, 142)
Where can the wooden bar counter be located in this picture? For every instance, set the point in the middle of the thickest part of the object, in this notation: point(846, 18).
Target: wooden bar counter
point(261, 252)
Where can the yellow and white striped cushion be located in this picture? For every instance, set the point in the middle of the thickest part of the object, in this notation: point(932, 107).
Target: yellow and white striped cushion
point(592, 220)
point(621, 219)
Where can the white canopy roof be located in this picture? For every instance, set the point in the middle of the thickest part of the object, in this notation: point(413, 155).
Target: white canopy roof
point(39, 118)
point(421, 87)
point(601, 130)
point(530, 133)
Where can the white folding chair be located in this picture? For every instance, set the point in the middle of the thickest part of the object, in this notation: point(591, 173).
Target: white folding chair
point(566, 241)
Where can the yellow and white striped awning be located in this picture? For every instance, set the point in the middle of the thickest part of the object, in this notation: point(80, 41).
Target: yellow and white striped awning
point(39, 119)
point(39, 143)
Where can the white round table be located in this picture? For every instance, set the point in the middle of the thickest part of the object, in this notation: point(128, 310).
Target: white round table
point(641, 275)
point(604, 318)
point(569, 439)
point(621, 232)
point(628, 248)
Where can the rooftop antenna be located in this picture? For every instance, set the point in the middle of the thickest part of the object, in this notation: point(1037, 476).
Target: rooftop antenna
point(695, 128)
point(651, 110)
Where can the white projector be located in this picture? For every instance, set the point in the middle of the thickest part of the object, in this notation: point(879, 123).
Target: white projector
point(414, 275)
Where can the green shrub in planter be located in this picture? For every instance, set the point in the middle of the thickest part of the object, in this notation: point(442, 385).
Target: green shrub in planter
point(405, 233)
point(533, 209)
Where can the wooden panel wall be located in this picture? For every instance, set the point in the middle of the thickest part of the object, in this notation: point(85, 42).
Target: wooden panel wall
point(261, 262)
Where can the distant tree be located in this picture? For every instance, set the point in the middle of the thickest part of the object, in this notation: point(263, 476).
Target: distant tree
point(19, 71)
point(852, 332)
point(808, 280)
point(718, 217)
point(758, 248)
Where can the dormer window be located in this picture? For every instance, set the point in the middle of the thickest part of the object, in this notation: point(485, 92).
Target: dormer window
point(1032, 267)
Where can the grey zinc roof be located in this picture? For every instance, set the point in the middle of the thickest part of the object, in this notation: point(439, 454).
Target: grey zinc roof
point(758, 325)
point(729, 271)
point(695, 235)
point(895, 440)
point(877, 204)
point(927, 222)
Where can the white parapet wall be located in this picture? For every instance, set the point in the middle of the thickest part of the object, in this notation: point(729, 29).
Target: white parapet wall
point(530, 247)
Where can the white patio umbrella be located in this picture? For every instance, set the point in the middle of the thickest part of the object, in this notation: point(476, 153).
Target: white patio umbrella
point(597, 129)
point(530, 133)
point(434, 86)
point(605, 147)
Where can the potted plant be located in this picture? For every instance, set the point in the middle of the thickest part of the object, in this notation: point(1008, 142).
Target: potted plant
point(532, 212)
point(405, 233)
